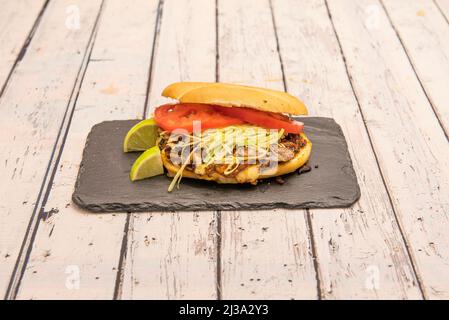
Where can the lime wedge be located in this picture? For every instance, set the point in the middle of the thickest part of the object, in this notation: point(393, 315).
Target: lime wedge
point(141, 137)
point(149, 164)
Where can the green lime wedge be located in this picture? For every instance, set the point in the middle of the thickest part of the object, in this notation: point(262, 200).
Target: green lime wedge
point(149, 164)
point(141, 137)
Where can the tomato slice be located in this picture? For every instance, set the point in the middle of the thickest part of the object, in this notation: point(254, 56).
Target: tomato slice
point(263, 119)
point(181, 116)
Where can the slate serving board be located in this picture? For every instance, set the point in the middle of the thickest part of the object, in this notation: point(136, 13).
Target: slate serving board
point(103, 183)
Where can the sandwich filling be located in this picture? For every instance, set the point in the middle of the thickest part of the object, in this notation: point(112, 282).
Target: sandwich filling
point(228, 151)
point(224, 143)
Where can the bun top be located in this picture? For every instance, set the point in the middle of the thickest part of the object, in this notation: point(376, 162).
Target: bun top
point(232, 95)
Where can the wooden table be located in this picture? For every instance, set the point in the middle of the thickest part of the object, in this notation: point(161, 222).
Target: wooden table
point(379, 67)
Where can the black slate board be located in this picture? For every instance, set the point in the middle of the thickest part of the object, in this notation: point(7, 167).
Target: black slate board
point(103, 184)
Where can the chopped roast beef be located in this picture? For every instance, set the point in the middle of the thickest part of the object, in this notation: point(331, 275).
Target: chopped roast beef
point(287, 148)
point(285, 154)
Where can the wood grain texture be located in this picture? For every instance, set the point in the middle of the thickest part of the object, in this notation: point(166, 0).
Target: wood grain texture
point(410, 145)
point(424, 32)
point(186, 47)
point(70, 242)
point(17, 19)
point(173, 255)
point(265, 254)
point(360, 250)
point(31, 112)
point(392, 244)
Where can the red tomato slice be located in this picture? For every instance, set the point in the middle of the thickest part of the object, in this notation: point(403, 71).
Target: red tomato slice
point(181, 116)
point(263, 119)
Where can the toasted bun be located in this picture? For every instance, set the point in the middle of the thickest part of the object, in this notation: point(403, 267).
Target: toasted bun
point(232, 95)
point(250, 174)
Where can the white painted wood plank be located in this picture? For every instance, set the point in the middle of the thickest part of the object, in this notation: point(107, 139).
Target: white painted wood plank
point(186, 46)
point(360, 251)
point(173, 255)
point(16, 21)
point(73, 241)
point(425, 35)
point(411, 148)
point(31, 112)
point(265, 254)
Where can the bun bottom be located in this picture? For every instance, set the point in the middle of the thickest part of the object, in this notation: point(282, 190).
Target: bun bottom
point(250, 174)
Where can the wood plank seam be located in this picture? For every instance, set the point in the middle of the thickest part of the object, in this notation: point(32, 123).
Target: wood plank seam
point(401, 229)
point(122, 259)
point(445, 130)
point(118, 288)
point(25, 45)
point(157, 30)
point(307, 214)
point(218, 249)
point(218, 213)
point(441, 11)
point(276, 37)
point(38, 212)
point(316, 262)
point(217, 45)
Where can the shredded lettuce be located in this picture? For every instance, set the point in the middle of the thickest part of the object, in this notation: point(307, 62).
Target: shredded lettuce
point(232, 145)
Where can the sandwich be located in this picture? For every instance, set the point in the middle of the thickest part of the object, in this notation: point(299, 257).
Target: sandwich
point(230, 133)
